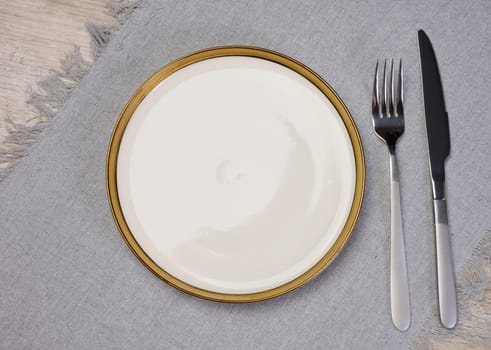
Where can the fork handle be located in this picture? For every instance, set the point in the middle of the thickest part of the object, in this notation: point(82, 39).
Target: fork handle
point(399, 289)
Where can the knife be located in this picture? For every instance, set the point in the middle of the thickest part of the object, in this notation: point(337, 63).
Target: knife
point(439, 149)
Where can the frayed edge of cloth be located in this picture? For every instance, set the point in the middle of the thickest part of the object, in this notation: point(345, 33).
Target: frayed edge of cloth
point(53, 90)
point(474, 319)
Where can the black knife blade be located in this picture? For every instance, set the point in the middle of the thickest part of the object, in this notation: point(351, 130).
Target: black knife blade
point(436, 115)
point(439, 149)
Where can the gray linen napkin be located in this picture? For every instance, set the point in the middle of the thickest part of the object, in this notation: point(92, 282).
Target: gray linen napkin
point(67, 280)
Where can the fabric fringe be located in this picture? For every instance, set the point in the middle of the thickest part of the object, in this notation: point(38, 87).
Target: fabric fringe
point(58, 85)
point(52, 91)
point(473, 303)
point(101, 34)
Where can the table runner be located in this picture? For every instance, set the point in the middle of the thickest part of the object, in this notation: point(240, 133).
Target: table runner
point(67, 278)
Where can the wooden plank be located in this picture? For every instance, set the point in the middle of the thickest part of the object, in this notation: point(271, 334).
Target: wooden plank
point(34, 37)
point(457, 345)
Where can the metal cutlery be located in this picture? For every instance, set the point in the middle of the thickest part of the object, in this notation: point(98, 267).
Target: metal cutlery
point(388, 123)
point(439, 149)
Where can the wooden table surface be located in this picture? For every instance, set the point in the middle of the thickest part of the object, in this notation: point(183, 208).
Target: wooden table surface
point(36, 34)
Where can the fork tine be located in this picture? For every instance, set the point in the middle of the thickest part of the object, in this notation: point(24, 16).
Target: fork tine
point(391, 92)
point(375, 93)
point(384, 95)
point(400, 91)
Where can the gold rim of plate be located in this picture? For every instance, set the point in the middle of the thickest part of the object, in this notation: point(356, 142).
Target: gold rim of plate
point(149, 85)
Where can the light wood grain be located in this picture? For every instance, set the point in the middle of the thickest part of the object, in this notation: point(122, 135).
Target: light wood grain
point(457, 345)
point(36, 34)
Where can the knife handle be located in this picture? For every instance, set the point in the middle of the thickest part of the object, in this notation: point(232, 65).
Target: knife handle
point(446, 280)
point(399, 289)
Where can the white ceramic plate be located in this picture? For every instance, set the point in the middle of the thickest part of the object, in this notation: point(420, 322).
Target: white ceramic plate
point(235, 175)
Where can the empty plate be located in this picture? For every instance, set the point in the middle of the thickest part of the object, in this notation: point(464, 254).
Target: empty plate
point(235, 174)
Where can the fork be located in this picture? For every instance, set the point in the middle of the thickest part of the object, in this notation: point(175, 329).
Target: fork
point(388, 123)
